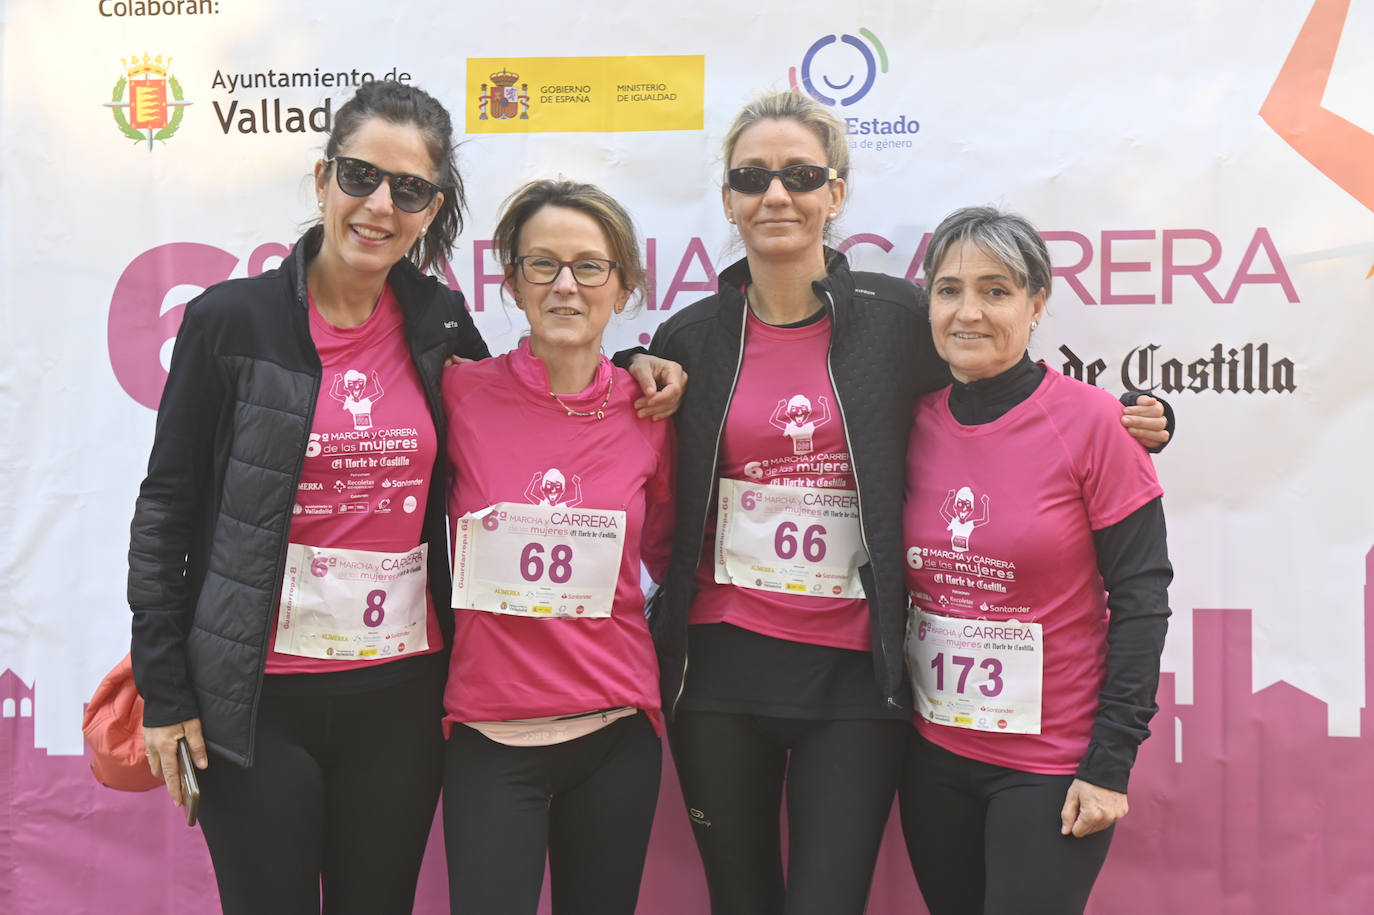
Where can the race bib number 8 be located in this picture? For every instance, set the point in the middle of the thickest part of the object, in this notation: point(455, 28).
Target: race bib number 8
point(531, 560)
point(789, 539)
point(979, 674)
point(352, 604)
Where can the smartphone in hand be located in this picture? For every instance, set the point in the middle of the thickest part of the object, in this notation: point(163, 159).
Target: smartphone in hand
point(190, 786)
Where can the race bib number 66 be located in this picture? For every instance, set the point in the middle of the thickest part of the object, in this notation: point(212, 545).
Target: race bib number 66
point(789, 539)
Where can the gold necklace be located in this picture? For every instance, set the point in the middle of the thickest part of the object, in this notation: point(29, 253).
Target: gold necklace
point(599, 413)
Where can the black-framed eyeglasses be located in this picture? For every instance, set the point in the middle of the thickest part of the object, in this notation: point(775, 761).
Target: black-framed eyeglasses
point(751, 179)
point(359, 178)
point(541, 270)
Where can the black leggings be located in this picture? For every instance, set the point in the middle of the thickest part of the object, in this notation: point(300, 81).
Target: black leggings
point(588, 802)
point(340, 799)
point(840, 779)
point(984, 839)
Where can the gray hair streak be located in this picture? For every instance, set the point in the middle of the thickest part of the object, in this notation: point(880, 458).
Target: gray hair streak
point(1006, 237)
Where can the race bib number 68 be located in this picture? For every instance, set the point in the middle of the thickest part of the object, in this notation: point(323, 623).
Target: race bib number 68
point(532, 560)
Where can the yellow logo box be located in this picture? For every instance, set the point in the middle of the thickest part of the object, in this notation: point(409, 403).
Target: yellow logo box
point(602, 94)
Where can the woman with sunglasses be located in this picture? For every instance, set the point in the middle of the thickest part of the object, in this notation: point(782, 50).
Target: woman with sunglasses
point(780, 625)
point(287, 573)
point(552, 707)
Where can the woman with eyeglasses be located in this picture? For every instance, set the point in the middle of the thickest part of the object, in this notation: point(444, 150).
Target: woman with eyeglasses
point(780, 624)
point(552, 707)
point(287, 571)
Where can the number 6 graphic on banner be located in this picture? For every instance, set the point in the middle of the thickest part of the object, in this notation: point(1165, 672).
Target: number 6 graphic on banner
point(812, 546)
point(560, 562)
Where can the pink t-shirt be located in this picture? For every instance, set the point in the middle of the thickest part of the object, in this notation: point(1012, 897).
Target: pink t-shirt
point(367, 467)
point(509, 441)
point(1002, 515)
point(784, 428)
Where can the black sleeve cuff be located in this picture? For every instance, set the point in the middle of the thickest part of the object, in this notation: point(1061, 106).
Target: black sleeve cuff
point(1130, 397)
point(621, 360)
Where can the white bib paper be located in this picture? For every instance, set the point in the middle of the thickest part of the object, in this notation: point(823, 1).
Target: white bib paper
point(532, 560)
point(979, 674)
point(352, 604)
point(789, 539)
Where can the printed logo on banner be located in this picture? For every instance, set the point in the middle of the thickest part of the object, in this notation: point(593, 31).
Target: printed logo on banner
point(873, 60)
point(147, 114)
point(841, 70)
point(503, 100)
point(607, 94)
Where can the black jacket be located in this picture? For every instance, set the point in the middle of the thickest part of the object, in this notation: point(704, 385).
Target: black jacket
point(209, 535)
point(881, 359)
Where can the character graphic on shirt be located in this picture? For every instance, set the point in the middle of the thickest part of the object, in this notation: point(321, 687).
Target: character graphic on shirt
point(798, 422)
point(958, 511)
point(351, 389)
point(551, 488)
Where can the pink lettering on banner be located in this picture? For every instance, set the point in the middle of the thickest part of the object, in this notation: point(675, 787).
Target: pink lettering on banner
point(138, 328)
point(1073, 253)
point(1069, 272)
point(1197, 271)
point(1068, 266)
point(864, 238)
point(480, 278)
point(1110, 266)
point(694, 253)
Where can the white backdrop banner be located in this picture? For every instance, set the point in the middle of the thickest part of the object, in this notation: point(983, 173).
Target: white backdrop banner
point(1204, 174)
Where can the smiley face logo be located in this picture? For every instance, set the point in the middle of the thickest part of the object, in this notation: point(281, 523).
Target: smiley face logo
point(840, 69)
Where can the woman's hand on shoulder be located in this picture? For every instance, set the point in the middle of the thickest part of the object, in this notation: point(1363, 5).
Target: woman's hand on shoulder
point(663, 383)
point(161, 744)
point(1146, 423)
point(1089, 808)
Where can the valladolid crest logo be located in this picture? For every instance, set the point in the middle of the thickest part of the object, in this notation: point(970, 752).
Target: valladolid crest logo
point(503, 100)
point(144, 112)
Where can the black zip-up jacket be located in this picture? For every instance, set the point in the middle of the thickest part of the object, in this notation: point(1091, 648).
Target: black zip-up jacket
point(881, 359)
point(209, 535)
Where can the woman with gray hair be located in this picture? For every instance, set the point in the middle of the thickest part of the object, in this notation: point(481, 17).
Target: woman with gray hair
point(780, 624)
point(1038, 618)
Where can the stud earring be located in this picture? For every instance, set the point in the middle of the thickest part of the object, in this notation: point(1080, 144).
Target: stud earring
point(424, 229)
point(1034, 325)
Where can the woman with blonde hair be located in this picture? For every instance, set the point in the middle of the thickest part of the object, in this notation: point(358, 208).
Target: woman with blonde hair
point(781, 620)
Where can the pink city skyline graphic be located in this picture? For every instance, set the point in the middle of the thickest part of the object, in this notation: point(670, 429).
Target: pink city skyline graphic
point(1240, 803)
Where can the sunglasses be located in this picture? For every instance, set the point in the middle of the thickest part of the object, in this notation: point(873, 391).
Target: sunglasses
point(359, 178)
point(750, 179)
point(586, 271)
